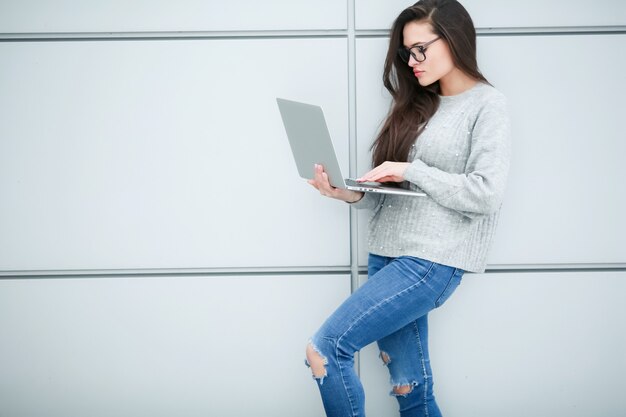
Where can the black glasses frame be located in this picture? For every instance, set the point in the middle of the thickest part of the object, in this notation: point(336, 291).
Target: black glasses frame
point(419, 56)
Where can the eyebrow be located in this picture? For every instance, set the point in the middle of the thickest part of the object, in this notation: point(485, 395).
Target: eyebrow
point(415, 44)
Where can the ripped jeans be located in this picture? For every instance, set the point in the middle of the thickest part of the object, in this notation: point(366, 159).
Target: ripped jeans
point(390, 308)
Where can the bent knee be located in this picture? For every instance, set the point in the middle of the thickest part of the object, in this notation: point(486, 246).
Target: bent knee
point(402, 389)
point(315, 361)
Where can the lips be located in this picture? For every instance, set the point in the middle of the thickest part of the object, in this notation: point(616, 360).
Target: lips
point(418, 73)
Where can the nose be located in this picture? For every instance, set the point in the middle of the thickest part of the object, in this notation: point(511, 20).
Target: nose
point(412, 61)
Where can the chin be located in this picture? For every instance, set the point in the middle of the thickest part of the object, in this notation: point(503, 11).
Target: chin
point(425, 82)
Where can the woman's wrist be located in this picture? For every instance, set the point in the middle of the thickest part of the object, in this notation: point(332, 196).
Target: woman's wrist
point(357, 197)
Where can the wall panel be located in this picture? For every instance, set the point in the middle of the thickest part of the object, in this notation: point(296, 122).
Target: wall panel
point(375, 14)
point(564, 198)
point(165, 154)
point(162, 346)
point(31, 16)
point(520, 344)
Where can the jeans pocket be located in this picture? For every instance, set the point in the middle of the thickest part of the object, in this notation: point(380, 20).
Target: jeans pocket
point(453, 283)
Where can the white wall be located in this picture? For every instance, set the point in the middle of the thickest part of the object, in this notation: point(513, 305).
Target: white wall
point(137, 154)
point(138, 278)
point(532, 14)
point(520, 344)
point(161, 346)
point(71, 16)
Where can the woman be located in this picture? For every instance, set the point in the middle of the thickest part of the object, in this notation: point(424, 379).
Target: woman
point(447, 134)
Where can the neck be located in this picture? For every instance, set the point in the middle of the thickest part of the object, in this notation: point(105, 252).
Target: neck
point(456, 82)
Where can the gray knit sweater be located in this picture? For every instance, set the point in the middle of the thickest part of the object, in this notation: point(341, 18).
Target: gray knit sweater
point(461, 161)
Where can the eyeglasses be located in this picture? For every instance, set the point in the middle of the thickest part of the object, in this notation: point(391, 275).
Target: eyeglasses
point(418, 52)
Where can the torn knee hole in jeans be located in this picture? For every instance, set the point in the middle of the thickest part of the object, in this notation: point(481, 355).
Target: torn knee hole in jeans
point(316, 361)
point(385, 357)
point(402, 390)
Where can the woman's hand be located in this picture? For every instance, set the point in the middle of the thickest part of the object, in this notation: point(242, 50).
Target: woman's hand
point(321, 183)
point(386, 172)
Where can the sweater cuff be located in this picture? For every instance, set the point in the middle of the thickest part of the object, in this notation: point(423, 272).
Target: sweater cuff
point(369, 201)
point(415, 172)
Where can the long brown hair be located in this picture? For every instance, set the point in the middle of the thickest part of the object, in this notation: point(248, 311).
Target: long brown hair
point(413, 105)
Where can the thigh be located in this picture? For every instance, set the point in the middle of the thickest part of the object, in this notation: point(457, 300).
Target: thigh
point(399, 291)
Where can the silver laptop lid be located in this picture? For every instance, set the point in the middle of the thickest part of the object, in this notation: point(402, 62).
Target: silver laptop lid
point(310, 140)
point(311, 144)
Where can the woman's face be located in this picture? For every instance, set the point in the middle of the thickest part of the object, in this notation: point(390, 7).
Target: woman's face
point(438, 65)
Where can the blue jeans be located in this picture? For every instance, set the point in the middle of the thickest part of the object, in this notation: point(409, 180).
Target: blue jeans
point(391, 308)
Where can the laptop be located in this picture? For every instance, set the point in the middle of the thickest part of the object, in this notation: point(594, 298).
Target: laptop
point(311, 144)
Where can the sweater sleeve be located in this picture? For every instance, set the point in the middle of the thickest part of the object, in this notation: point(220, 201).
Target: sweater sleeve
point(480, 189)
